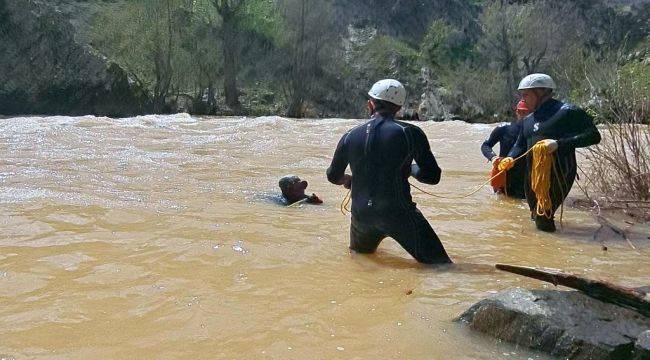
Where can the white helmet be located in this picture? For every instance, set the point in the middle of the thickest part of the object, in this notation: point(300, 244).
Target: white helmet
point(389, 90)
point(537, 81)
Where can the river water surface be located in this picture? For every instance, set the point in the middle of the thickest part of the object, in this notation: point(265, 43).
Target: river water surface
point(159, 237)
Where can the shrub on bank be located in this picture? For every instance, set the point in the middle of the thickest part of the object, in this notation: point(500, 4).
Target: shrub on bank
point(618, 175)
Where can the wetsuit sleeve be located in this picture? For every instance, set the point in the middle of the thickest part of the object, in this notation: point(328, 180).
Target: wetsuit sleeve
point(588, 136)
point(520, 146)
point(426, 169)
point(339, 163)
point(488, 144)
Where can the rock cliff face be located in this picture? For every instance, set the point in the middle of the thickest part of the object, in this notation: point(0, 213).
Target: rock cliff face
point(46, 70)
point(407, 20)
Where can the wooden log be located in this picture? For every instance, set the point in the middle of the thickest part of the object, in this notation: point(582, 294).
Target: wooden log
point(597, 289)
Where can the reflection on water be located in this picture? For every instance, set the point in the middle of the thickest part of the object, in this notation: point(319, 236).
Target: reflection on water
point(155, 237)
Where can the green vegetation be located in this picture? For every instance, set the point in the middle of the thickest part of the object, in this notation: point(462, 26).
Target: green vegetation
point(299, 58)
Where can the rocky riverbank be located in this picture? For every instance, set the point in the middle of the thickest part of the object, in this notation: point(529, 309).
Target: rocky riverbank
point(47, 69)
point(566, 324)
point(103, 57)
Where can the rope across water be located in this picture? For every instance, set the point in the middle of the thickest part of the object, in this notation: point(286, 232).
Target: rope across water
point(543, 162)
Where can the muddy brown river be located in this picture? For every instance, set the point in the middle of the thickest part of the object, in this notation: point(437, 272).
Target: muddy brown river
point(159, 237)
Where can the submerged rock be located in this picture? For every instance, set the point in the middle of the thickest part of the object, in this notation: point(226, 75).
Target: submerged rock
point(47, 69)
point(567, 324)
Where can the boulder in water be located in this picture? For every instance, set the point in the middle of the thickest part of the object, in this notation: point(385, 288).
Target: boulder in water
point(567, 324)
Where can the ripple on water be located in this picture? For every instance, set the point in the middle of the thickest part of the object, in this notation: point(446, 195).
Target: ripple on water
point(239, 247)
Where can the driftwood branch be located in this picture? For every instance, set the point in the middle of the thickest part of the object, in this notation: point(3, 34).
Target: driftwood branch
point(597, 289)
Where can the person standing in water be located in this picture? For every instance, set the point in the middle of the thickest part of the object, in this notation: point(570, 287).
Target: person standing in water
point(563, 128)
point(381, 154)
point(506, 136)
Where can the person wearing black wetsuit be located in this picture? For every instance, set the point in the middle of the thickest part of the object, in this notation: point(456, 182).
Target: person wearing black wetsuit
point(381, 154)
point(506, 136)
point(565, 128)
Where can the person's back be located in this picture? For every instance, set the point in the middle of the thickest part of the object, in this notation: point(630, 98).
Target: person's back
point(380, 153)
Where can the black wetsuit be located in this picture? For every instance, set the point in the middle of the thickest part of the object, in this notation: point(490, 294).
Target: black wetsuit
point(381, 154)
point(572, 128)
point(506, 135)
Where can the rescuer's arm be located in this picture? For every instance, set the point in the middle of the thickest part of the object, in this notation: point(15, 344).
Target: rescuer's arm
point(336, 172)
point(488, 144)
point(425, 169)
point(589, 135)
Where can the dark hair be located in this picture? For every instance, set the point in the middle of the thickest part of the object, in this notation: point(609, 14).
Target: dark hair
point(382, 106)
point(288, 181)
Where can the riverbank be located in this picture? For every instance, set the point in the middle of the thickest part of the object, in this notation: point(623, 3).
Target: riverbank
point(74, 57)
point(54, 71)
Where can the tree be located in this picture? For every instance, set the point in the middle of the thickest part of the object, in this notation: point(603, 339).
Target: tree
point(309, 46)
point(230, 13)
point(142, 37)
point(200, 67)
point(502, 41)
point(167, 46)
point(161, 53)
point(526, 38)
point(541, 42)
point(444, 47)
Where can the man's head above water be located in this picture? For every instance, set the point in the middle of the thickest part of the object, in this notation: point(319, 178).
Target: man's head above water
point(293, 190)
point(292, 187)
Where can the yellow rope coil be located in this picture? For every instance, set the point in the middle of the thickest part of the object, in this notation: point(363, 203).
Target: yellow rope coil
point(540, 179)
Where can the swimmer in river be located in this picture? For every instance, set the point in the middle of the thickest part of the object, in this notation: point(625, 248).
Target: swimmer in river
point(293, 191)
point(381, 154)
point(506, 136)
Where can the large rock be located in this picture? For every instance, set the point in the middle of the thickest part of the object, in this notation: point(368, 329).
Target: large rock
point(46, 69)
point(432, 106)
point(642, 347)
point(567, 324)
